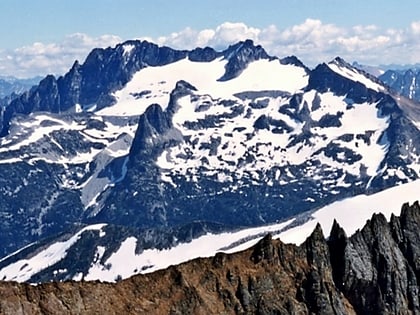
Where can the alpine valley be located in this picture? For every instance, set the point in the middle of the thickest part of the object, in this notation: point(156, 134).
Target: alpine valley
point(145, 156)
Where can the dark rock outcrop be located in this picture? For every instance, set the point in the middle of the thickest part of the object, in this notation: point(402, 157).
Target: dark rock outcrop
point(239, 56)
point(375, 271)
point(323, 79)
point(404, 82)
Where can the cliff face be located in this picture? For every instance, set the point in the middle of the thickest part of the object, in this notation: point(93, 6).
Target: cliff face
point(375, 271)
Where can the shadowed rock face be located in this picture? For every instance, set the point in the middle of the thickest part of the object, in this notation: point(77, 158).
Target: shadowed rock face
point(375, 271)
point(404, 82)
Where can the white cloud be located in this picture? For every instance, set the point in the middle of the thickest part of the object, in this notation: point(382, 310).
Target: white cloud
point(229, 33)
point(224, 34)
point(51, 58)
point(312, 41)
point(415, 27)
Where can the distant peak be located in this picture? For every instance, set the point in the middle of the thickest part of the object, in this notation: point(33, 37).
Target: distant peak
point(249, 43)
point(205, 54)
point(239, 56)
point(76, 66)
point(295, 61)
point(245, 49)
point(135, 42)
point(340, 61)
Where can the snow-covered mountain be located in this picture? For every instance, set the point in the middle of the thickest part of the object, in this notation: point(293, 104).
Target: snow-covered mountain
point(110, 261)
point(144, 147)
point(405, 82)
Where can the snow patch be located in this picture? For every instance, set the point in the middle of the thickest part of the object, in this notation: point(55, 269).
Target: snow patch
point(352, 213)
point(127, 49)
point(24, 269)
point(125, 262)
point(355, 75)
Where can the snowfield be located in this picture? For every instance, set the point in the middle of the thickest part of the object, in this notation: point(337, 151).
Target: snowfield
point(23, 270)
point(351, 214)
point(154, 84)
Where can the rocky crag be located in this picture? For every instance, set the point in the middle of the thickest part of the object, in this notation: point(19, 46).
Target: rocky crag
point(375, 271)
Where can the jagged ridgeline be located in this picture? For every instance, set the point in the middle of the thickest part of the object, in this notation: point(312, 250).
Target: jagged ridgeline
point(140, 139)
point(405, 82)
point(375, 271)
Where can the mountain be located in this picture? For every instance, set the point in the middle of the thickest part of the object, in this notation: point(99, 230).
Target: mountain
point(164, 146)
point(109, 253)
point(373, 70)
point(404, 82)
point(375, 271)
point(401, 79)
point(11, 87)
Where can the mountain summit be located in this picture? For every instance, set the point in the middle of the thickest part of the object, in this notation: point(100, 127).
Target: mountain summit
point(164, 145)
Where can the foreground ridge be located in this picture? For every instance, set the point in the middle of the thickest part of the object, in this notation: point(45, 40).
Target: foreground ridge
point(375, 271)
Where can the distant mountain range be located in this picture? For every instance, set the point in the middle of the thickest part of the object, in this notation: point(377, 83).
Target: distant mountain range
point(402, 79)
point(403, 82)
point(11, 87)
point(144, 147)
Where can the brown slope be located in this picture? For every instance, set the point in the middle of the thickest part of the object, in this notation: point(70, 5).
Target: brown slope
point(376, 271)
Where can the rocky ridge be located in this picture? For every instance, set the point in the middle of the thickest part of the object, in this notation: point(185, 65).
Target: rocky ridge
point(141, 138)
point(11, 88)
point(404, 82)
point(375, 271)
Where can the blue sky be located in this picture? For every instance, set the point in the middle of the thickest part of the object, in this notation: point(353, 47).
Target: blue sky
point(45, 36)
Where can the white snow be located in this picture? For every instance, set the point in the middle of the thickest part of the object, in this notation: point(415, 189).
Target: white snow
point(128, 48)
point(355, 75)
point(38, 128)
point(24, 269)
point(11, 160)
point(272, 148)
point(78, 108)
point(125, 263)
point(412, 88)
point(155, 83)
point(352, 213)
point(359, 119)
point(35, 133)
point(234, 146)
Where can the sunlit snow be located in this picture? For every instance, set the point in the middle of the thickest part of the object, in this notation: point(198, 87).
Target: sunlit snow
point(154, 84)
point(23, 270)
point(355, 75)
point(350, 213)
point(273, 149)
point(125, 263)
